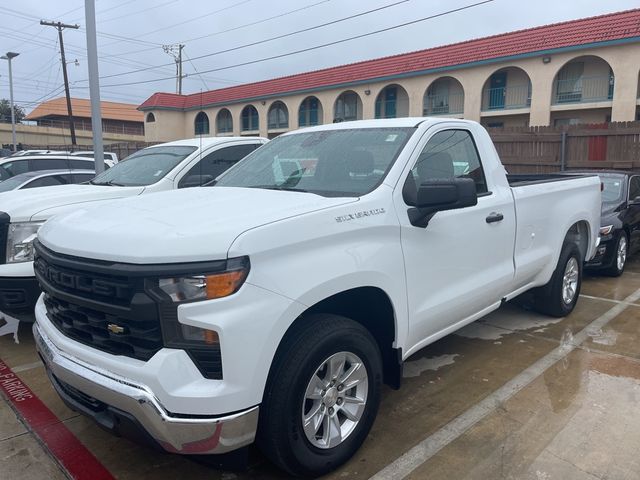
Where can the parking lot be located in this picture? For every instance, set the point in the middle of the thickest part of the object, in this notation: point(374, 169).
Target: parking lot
point(516, 395)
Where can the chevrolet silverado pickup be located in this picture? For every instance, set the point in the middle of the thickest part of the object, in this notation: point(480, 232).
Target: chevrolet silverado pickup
point(272, 306)
point(174, 165)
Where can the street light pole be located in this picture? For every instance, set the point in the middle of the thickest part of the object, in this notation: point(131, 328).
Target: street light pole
point(8, 56)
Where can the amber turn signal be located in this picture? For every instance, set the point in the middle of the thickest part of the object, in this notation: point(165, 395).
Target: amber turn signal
point(224, 284)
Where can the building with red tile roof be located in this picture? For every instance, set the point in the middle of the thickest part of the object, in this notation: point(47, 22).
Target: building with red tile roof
point(582, 70)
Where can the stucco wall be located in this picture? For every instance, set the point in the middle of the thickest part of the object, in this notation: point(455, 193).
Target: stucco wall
point(541, 72)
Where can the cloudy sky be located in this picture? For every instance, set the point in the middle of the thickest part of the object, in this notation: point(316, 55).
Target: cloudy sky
point(131, 34)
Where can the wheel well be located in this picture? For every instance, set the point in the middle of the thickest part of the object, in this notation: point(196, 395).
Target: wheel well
point(579, 234)
point(372, 308)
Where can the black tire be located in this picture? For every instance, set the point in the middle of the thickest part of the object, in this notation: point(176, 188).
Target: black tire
point(613, 270)
point(549, 298)
point(281, 436)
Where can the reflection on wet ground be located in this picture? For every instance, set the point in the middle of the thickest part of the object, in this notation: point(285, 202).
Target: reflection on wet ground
point(576, 418)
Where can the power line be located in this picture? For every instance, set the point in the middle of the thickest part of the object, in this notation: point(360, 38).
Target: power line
point(196, 70)
point(277, 37)
point(233, 29)
point(316, 47)
point(199, 17)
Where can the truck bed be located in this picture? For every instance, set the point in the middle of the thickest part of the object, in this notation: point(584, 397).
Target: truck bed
point(520, 180)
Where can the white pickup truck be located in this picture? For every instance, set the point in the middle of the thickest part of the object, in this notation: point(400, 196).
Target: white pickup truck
point(273, 305)
point(168, 166)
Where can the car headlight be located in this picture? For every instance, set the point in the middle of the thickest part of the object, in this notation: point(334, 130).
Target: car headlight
point(20, 241)
point(188, 288)
point(606, 230)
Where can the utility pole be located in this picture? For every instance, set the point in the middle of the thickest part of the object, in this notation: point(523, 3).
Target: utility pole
point(8, 56)
point(61, 26)
point(176, 52)
point(94, 84)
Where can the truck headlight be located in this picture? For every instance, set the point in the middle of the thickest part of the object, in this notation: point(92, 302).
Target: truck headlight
point(20, 241)
point(188, 288)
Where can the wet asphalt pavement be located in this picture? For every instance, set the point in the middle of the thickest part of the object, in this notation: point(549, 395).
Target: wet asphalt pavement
point(516, 396)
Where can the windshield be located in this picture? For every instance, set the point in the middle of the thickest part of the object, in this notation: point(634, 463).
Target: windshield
point(11, 184)
point(144, 167)
point(613, 190)
point(330, 163)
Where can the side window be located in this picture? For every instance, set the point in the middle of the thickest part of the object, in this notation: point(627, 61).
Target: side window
point(634, 187)
point(87, 164)
point(450, 154)
point(82, 164)
point(44, 182)
point(49, 164)
point(81, 177)
point(214, 164)
point(17, 167)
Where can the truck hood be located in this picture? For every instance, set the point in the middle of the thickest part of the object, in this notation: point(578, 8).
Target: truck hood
point(41, 203)
point(194, 224)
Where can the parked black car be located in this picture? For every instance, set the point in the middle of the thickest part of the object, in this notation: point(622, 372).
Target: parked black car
point(619, 223)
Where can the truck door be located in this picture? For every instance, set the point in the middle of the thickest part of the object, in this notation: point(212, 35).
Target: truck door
point(462, 262)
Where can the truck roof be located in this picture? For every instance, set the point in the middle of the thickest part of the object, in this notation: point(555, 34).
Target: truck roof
point(406, 122)
point(206, 141)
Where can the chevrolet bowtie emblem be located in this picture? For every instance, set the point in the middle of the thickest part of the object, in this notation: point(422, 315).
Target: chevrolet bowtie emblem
point(113, 328)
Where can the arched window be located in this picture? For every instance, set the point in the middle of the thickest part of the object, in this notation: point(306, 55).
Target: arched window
point(348, 107)
point(310, 112)
point(445, 96)
point(202, 124)
point(250, 121)
point(278, 116)
point(224, 121)
point(584, 79)
point(392, 102)
point(151, 117)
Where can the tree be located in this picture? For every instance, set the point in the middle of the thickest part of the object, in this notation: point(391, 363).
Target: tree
point(5, 111)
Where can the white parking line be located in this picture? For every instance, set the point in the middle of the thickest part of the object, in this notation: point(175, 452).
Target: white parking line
point(611, 300)
point(27, 366)
point(431, 445)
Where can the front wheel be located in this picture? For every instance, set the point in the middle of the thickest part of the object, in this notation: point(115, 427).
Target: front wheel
point(559, 296)
point(620, 256)
point(322, 396)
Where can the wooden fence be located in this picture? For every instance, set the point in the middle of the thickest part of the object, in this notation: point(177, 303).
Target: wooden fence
point(522, 149)
point(552, 149)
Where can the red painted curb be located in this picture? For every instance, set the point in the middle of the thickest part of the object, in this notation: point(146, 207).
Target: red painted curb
point(74, 457)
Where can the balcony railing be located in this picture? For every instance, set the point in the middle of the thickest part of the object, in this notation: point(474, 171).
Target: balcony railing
point(447, 104)
point(86, 125)
point(584, 89)
point(505, 98)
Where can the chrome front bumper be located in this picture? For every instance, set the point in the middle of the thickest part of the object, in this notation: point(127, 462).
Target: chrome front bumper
point(104, 391)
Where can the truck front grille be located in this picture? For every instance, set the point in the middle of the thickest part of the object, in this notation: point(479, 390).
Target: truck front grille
point(138, 339)
point(107, 311)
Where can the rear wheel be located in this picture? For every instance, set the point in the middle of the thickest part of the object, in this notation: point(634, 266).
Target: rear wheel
point(620, 256)
point(322, 396)
point(558, 298)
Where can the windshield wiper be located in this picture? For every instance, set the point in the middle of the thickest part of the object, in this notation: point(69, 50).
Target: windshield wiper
point(281, 188)
point(109, 183)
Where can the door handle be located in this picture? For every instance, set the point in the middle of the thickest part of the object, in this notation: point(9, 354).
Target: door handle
point(494, 217)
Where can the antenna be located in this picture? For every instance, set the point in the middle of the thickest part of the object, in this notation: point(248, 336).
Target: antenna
point(200, 162)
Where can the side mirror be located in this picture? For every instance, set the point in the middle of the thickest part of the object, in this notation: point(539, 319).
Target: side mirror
point(635, 201)
point(438, 195)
